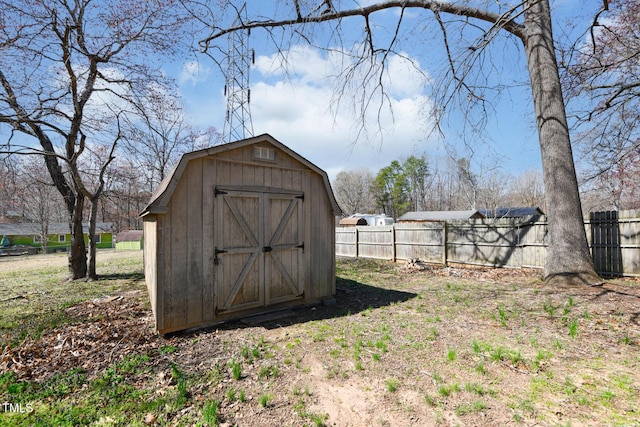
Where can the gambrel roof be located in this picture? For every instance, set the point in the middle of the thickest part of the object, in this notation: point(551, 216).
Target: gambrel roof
point(162, 195)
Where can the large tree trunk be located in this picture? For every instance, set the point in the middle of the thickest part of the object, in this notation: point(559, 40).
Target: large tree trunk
point(78, 250)
point(568, 258)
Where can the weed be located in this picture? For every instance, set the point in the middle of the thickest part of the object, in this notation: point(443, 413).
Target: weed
point(451, 355)
point(549, 308)
point(264, 399)
point(445, 390)
point(318, 420)
point(381, 345)
point(241, 396)
point(168, 349)
point(268, 372)
point(210, 413)
point(231, 394)
point(392, 384)
point(236, 369)
point(503, 315)
point(376, 357)
point(573, 328)
point(627, 339)
point(245, 353)
point(430, 400)
point(465, 409)
point(181, 385)
point(481, 369)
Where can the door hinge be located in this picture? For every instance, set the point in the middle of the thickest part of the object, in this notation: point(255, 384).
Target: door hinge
point(217, 191)
point(267, 249)
point(301, 197)
point(300, 246)
point(217, 252)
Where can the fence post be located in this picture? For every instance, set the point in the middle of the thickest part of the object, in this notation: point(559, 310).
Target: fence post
point(357, 244)
point(393, 241)
point(444, 243)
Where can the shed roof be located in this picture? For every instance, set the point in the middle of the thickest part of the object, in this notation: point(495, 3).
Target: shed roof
point(162, 195)
point(130, 236)
point(440, 215)
point(352, 221)
point(517, 212)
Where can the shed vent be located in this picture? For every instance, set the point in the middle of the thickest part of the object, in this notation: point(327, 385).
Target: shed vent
point(264, 153)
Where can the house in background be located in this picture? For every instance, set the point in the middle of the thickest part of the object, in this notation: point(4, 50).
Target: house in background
point(58, 237)
point(130, 240)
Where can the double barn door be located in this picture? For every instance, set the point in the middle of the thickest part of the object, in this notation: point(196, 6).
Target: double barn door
point(258, 248)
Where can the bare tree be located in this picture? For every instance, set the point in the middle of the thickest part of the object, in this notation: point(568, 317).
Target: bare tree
point(68, 73)
point(158, 135)
point(527, 189)
point(353, 191)
point(529, 21)
point(602, 80)
point(41, 201)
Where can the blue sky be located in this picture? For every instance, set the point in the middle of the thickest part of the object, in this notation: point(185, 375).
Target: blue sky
point(297, 106)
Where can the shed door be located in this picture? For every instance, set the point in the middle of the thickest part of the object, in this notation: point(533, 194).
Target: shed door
point(258, 244)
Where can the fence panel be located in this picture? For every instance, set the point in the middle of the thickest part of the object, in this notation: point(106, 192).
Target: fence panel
point(425, 242)
point(614, 239)
point(347, 242)
point(376, 242)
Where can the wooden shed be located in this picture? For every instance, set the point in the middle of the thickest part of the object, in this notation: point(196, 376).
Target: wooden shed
point(238, 229)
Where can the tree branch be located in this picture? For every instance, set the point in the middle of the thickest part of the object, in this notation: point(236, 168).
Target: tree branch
point(505, 20)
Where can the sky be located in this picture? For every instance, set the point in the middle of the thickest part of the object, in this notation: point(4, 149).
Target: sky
point(297, 107)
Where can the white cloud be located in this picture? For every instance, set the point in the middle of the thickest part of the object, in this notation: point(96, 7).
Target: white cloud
point(193, 72)
point(297, 106)
point(302, 113)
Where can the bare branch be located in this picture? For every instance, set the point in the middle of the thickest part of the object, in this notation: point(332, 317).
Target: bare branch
point(505, 20)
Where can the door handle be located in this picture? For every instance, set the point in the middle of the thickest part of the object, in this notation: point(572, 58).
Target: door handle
point(267, 249)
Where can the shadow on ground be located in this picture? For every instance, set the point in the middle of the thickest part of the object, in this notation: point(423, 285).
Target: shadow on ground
point(351, 297)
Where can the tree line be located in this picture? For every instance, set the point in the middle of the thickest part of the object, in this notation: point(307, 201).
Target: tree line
point(419, 183)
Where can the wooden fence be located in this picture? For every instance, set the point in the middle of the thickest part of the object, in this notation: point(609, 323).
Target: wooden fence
point(614, 238)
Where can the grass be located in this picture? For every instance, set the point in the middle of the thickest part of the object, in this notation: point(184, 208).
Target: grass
point(35, 296)
point(404, 346)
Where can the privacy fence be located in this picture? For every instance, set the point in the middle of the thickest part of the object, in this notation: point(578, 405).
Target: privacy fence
point(614, 239)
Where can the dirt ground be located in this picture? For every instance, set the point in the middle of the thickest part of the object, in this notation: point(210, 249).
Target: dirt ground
point(401, 347)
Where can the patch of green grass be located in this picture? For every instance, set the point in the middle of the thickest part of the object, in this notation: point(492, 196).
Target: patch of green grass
point(168, 349)
point(181, 385)
point(466, 409)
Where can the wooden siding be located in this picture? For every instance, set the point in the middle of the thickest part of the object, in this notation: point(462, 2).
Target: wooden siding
point(614, 238)
point(190, 288)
